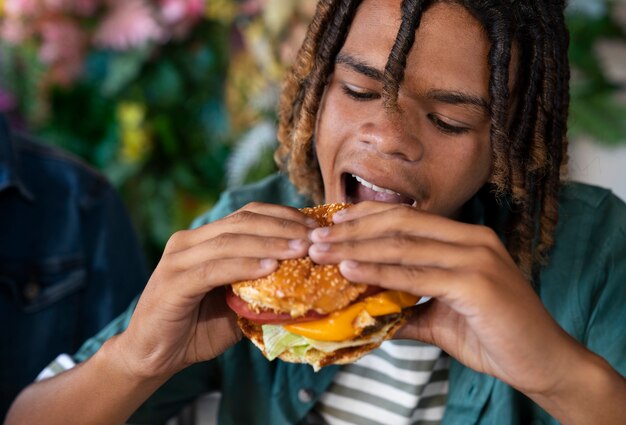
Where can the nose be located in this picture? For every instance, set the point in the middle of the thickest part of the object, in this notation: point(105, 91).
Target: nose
point(391, 133)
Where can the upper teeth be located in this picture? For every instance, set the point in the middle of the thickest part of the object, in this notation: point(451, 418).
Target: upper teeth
point(373, 186)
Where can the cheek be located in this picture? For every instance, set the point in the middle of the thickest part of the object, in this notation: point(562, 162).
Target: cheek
point(472, 161)
point(475, 167)
point(334, 125)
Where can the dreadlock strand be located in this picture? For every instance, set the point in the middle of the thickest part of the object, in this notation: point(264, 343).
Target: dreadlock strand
point(497, 27)
point(535, 151)
point(559, 96)
point(302, 166)
point(293, 88)
point(396, 62)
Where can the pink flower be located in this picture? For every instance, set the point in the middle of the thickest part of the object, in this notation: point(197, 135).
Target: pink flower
point(86, 7)
point(81, 7)
point(62, 49)
point(181, 15)
point(130, 23)
point(175, 11)
point(252, 7)
point(57, 5)
point(21, 8)
point(195, 8)
point(13, 31)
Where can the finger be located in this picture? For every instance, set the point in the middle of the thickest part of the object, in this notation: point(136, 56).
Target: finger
point(280, 211)
point(428, 323)
point(195, 283)
point(404, 220)
point(362, 209)
point(234, 245)
point(265, 220)
point(405, 250)
point(420, 281)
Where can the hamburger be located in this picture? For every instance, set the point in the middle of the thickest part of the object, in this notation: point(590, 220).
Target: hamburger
point(309, 313)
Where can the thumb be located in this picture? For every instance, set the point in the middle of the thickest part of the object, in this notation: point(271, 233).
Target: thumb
point(431, 323)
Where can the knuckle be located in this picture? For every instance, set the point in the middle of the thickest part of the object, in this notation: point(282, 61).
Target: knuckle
point(413, 273)
point(347, 245)
point(176, 240)
point(285, 223)
point(241, 216)
point(489, 236)
point(206, 271)
point(402, 241)
point(270, 244)
point(222, 240)
point(252, 205)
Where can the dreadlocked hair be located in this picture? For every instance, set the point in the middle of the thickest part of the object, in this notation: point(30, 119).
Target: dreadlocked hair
point(528, 126)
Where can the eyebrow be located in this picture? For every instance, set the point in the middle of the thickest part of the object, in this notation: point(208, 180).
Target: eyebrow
point(444, 96)
point(359, 66)
point(458, 98)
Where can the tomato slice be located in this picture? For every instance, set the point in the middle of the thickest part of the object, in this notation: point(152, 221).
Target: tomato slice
point(242, 309)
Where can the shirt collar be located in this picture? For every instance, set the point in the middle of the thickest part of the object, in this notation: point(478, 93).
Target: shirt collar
point(10, 175)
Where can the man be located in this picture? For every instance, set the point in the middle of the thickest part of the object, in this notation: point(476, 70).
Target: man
point(444, 122)
point(69, 257)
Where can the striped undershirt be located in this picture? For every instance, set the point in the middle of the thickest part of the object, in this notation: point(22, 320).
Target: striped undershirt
point(402, 382)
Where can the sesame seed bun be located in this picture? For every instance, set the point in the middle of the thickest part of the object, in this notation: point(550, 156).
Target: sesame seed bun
point(300, 285)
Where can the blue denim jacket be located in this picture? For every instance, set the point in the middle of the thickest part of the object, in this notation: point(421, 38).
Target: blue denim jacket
point(70, 260)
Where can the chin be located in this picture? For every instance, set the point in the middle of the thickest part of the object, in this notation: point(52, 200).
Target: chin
point(309, 313)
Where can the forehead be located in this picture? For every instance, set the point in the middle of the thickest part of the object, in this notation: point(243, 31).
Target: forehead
point(450, 50)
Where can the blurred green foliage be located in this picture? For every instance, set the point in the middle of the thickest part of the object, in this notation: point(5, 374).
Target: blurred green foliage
point(154, 120)
point(596, 111)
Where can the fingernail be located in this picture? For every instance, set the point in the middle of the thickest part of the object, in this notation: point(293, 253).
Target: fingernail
point(311, 222)
point(296, 244)
point(339, 215)
point(268, 263)
point(321, 247)
point(348, 264)
point(320, 233)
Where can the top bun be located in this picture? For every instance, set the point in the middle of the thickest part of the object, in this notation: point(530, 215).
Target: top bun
point(300, 285)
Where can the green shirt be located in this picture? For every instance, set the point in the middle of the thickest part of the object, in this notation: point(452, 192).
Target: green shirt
point(583, 287)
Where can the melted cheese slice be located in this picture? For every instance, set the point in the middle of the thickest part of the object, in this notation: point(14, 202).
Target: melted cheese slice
point(340, 325)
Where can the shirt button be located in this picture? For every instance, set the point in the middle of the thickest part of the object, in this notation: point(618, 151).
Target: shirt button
point(305, 395)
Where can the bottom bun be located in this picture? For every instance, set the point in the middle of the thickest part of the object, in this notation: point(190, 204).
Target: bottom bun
point(317, 358)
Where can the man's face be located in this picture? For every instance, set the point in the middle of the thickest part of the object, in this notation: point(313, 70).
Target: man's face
point(434, 151)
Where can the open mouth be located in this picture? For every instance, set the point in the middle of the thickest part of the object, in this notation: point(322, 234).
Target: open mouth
point(357, 189)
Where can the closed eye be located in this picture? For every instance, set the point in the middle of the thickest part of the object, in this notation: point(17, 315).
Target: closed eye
point(446, 127)
point(358, 94)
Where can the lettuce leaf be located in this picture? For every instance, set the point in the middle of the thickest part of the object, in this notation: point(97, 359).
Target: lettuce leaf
point(277, 340)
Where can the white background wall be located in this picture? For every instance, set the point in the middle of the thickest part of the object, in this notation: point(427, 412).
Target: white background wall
point(599, 164)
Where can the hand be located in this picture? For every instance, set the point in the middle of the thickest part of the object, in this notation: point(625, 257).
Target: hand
point(181, 317)
point(484, 312)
